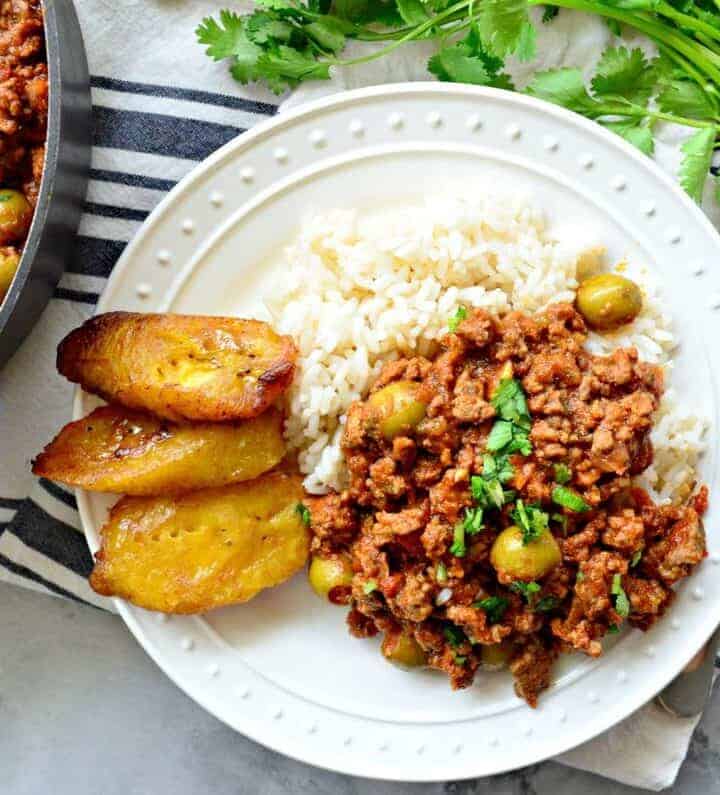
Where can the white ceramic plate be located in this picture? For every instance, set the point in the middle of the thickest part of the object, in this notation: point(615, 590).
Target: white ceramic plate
point(283, 669)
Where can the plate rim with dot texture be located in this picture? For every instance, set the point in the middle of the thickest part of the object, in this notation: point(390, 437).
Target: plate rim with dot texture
point(299, 147)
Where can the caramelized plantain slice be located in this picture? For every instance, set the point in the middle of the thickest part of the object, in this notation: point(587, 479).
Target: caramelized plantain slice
point(180, 367)
point(203, 550)
point(119, 450)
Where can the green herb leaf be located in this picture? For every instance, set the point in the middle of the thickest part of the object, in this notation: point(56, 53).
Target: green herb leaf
point(635, 133)
point(636, 558)
point(370, 586)
point(505, 28)
point(459, 659)
point(509, 401)
point(622, 603)
point(457, 318)
point(458, 546)
point(613, 629)
point(546, 604)
point(304, 513)
point(565, 87)
point(531, 519)
point(561, 519)
point(494, 607)
point(412, 12)
point(569, 499)
point(695, 166)
point(525, 589)
point(580, 577)
point(286, 67)
point(686, 98)
point(454, 636)
point(624, 73)
point(328, 32)
point(473, 522)
point(224, 38)
point(500, 436)
point(263, 28)
point(562, 474)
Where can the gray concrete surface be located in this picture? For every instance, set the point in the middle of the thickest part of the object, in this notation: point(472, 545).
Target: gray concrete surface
point(83, 711)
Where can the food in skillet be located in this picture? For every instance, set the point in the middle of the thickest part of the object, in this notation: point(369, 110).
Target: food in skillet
point(23, 124)
point(118, 450)
point(491, 514)
point(202, 550)
point(180, 367)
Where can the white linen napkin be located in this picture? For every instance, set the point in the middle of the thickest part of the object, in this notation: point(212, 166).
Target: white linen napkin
point(160, 106)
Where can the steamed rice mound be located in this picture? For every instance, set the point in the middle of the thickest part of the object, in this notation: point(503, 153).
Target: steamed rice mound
point(357, 289)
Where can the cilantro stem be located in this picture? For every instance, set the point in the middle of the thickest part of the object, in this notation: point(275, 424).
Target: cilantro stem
point(414, 33)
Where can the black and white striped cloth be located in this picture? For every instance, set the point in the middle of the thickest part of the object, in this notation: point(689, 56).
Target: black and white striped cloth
point(160, 107)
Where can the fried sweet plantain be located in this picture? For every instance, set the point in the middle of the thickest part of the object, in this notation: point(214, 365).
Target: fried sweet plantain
point(119, 450)
point(203, 550)
point(180, 367)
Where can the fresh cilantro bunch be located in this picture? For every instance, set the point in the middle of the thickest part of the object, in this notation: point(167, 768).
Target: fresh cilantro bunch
point(285, 42)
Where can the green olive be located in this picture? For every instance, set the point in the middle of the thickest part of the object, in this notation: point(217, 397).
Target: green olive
point(403, 650)
point(326, 574)
point(397, 408)
point(521, 561)
point(608, 300)
point(8, 266)
point(497, 655)
point(15, 216)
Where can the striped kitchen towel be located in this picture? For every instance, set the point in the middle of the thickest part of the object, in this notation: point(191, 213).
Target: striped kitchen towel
point(159, 107)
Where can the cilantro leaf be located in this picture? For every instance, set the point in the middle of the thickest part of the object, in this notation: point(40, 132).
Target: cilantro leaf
point(562, 474)
point(508, 400)
point(613, 629)
point(473, 521)
point(569, 499)
point(224, 38)
point(441, 574)
point(304, 513)
point(531, 520)
point(685, 98)
point(494, 607)
point(636, 558)
point(546, 604)
point(370, 586)
point(454, 636)
point(505, 28)
point(286, 67)
point(468, 61)
point(458, 317)
point(500, 436)
point(637, 134)
point(695, 166)
point(458, 547)
point(263, 28)
point(622, 603)
point(564, 87)
point(328, 32)
point(624, 73)
point(525, 589)
point(412, 12)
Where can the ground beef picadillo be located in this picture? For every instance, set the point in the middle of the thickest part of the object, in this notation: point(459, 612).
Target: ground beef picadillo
point(23, 101)
point(592, 414)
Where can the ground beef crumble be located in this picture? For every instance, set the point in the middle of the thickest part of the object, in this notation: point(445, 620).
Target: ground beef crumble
point(592, 414)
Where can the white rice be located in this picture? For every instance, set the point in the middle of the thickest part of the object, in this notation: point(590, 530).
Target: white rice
point(358, 289)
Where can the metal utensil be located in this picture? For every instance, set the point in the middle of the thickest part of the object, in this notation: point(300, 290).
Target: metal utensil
point(688, 693)
point(67, 163)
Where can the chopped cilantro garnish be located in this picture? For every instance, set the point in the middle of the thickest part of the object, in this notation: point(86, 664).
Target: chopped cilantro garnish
point(546, 604)
point(613, 629)
point(562, 474)
point(454, 636)
point(526, 589)
point(622, 603)
point(458, 545)
point(473, 521)
point(457, 318)
point(636, 558)
point(494, 607)
point(487, 492)
point(500, 436)
point(531, 520)
point(580, 577)
point(569, 499)
point(459, 659)
point(561, 520)
point(441, 574)
point(304, 513)
point(370, 586)
point(509, 401)
point(497, 466)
